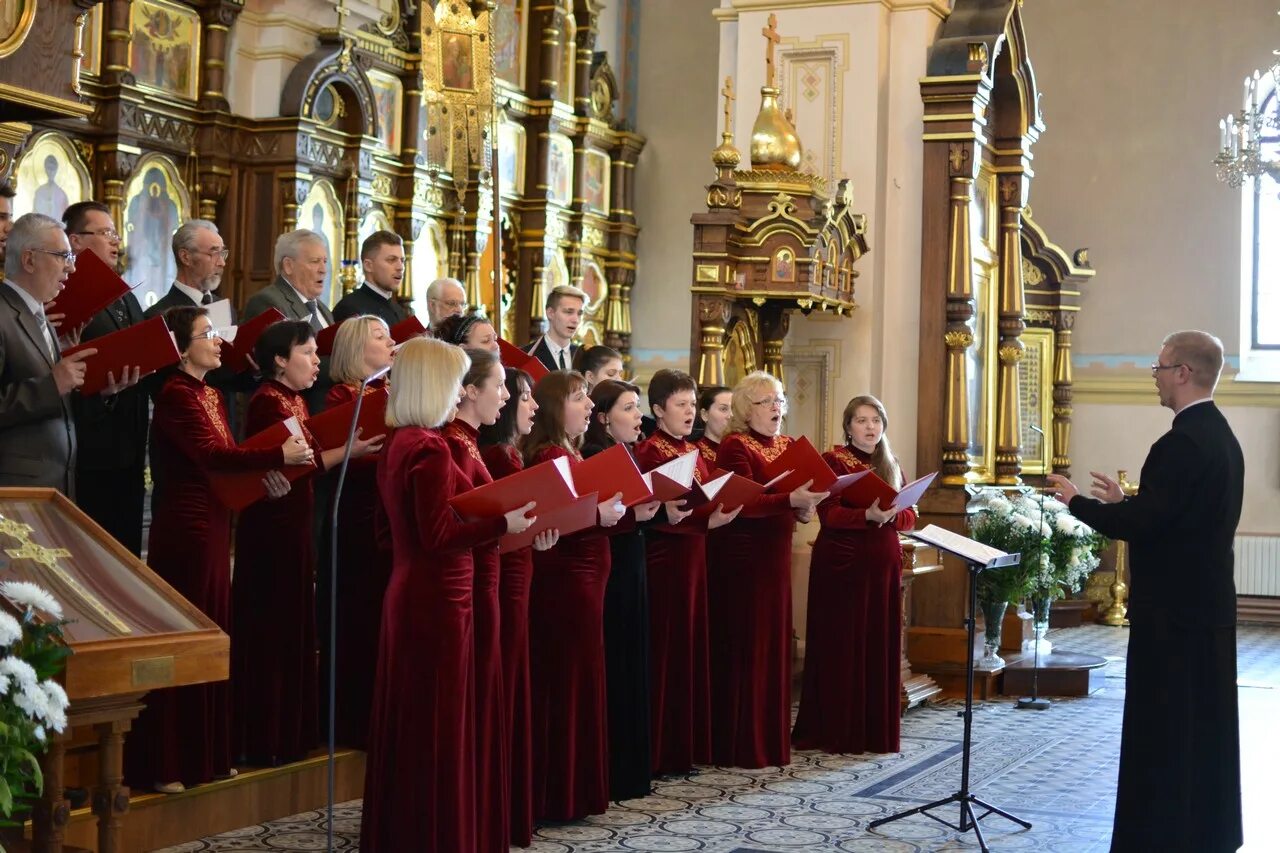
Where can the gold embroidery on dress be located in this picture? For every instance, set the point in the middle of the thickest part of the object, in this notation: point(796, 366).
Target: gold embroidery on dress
point(708, 450)
point(846, 456)
point(295, 406)
point(769, 452)
point(467, 441)
point(671, 451)
point(212, 404)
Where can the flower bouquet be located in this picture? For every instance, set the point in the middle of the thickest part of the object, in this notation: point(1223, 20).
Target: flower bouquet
point(995, 520)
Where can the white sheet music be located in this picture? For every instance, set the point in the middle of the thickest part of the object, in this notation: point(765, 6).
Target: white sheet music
point(954, 543)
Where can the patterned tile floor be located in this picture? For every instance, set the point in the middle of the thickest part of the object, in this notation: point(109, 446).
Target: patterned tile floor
point(1056, 769)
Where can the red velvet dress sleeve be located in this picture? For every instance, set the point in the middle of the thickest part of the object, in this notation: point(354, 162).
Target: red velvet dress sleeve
point(433, 478)
point(736, 456)
point(189, 414)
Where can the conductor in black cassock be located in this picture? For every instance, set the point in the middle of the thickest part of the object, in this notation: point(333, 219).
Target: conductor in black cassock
point(1179, 786)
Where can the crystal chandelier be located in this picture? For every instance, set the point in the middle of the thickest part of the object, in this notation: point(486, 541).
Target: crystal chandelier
point(1240, 139)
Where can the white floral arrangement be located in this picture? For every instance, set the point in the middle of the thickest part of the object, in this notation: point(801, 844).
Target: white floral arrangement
point(32, 702)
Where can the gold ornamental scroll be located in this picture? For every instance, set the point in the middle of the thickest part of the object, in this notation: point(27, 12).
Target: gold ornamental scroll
point(1012, 189)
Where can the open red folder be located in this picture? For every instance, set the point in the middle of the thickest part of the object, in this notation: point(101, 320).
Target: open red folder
point(514, 357)
point(92, 287)
point(723, 489)
point(410, 327)
point(805, 464)
point(549, 484)
point(239, 489)
point(235, 354)
point(610, 472)
point(147, 346)
point(331, 427)
point(580, 514)
point(867, 489)
point(674, 478)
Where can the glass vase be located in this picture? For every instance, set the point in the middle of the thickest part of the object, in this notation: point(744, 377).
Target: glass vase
point(993, 620)
point(1039, 644)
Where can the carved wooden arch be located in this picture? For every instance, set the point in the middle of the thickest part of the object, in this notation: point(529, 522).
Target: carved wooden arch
point(331, 63)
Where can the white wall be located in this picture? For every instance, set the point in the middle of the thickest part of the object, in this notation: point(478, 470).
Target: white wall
point(270, 37)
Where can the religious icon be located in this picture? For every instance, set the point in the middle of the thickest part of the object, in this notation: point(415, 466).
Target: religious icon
point(50, 176)
point(594, 284)
point(388, 97)
point(595, 190)
point(457, 65)
point(153, 211)
point(511, 158)
point(16, 17)
point(784, 266)
point(560, 169)
point(374, 220)
point(322, 213)
point(162, 53)
point(508, 24)
point(91, 43)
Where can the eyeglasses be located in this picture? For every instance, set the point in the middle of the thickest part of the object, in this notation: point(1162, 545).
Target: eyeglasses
point(110, 234)
point(67, 257)
point(213, 253)
point(1156, 368)
point(208, 335)
point(770, 402)
point(451, 304)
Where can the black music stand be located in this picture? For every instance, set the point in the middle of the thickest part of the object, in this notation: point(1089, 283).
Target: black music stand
point(957, 545)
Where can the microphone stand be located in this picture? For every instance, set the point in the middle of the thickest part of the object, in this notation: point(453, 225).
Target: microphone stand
point(1034, 702)
point(333, 598)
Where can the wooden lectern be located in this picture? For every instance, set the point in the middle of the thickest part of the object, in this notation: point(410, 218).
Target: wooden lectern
point(129, 631)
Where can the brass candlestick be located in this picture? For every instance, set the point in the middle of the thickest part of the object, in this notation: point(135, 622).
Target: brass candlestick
point(1115, 615)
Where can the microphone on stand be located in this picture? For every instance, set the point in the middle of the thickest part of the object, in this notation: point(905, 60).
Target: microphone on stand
point(333, 596)
point(1034, 702)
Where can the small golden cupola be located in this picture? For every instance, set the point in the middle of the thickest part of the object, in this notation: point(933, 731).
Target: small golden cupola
point(774, 144)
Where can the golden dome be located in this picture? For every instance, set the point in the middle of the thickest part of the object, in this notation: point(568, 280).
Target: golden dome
point(774, 144)
point(726, 154)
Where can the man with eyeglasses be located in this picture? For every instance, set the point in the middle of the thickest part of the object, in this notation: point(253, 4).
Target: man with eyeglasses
point(1179, 786)
point(111, 431)
point(445, 298)
point(201, 257)
point(37, 429)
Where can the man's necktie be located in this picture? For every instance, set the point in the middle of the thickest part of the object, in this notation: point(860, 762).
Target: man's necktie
point(207, 299)
point(564, 361)
point(49, 345)
point(313, 310)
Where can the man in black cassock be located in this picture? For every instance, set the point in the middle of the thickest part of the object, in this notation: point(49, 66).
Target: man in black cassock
point(1179, 786)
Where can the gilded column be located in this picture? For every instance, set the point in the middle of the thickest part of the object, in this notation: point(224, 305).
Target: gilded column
point(960, 311)
point(1062, 393)
point(1012, 189)
point(774, 327)
point(713, 317)
point(218, 18)
point(115, 53)
point(552, 17)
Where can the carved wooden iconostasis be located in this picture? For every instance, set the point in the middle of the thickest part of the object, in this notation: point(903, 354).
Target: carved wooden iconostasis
point(390, 122)
point(998, 298)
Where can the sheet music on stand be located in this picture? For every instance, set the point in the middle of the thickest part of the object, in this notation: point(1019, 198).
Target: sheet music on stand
point(961, 546)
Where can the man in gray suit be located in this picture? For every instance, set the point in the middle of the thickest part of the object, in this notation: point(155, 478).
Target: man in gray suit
point(37, 431)
point(302, 270)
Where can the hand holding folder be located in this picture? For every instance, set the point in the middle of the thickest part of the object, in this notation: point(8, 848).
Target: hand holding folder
point(331, 427)
point(869, 488)
point(610, 472)
point(577, 515)
point(674, 478)
point(239, 489)
point(92, 287)
point(147, 346)
point(549, 484)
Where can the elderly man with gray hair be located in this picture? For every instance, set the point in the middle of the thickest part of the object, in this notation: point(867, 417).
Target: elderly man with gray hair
point(201, 257)
point(445, 298)
point(37, 430)
point(302, 272)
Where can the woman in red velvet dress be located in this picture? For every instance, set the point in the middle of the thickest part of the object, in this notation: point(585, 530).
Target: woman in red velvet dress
point(502, 458)
point(483, 397)
point(853, 661)
point(274, 682)
point(715, 409)
point(679, 645)
point(362, 347)
point(749, 589)
point(566, 630)
point(183, 736)
point(420, 788)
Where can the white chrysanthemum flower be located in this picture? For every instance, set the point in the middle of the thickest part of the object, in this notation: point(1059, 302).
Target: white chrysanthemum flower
point(21, 671)
point(27, 594)
point(10, 629)
point(4, 685)
point(56, 698)
point(1020, 520)
point(33, 701)
point(1054, 505)
point(39, 733)
point(1000, 505)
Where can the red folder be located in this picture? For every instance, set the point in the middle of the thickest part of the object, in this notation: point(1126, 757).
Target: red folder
point(148, 346)
point(410, 327)
point(92, 287)
point(866, 490)
point(549, 484)
point(610, 472)
point(331, 427)
point(235, 354)
point(723, 489)
point(674, 478)
point(805, 464)
point(326, 336)
point(577, 515)
point(514, 357)
point(239, 489)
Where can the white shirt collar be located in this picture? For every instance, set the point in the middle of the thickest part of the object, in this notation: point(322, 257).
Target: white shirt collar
point(556, 349)
point(195, 294)
point(1195, 403)
point(385, 294)
point(34, 305)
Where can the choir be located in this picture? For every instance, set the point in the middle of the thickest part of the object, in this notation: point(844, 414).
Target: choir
point(493, 687)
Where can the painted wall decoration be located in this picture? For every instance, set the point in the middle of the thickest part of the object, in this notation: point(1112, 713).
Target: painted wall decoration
point(511, 149)
point(91, 45)
point(457, 62)
point(388, 95)
point(322, 213)
point(156, 203)
point(163, 52)
point(50, 176)
point(784, 266)
point(595, 189)
point(560, 169)
point(508, 42)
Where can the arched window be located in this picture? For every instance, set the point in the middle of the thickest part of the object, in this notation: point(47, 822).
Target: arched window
point(1260, 278)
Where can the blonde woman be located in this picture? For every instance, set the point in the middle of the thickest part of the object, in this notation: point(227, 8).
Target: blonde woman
point(749, 590)
point(420, 786)
point(362, 347)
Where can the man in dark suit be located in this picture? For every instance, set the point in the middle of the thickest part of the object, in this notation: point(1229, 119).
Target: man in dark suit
point(37, 430)
point(382, 258)
point(302, 268)
point(564, 310)
point(1179, 786)
point(111, 431)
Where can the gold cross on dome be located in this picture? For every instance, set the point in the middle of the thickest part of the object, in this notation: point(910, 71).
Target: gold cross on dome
point(771, 36)
point(729, 98)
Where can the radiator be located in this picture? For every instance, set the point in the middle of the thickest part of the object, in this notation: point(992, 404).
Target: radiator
point(1258, 565)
